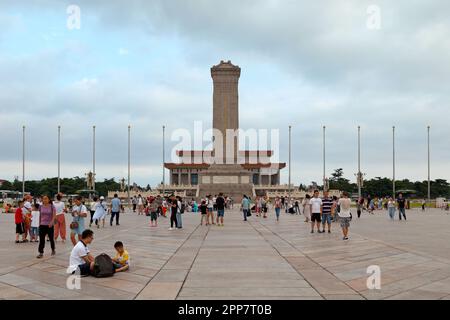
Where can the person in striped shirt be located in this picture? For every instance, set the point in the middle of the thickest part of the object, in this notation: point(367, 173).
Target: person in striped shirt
point(327, 206)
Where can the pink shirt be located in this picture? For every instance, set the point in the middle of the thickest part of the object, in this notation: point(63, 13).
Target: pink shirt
point(46, 214)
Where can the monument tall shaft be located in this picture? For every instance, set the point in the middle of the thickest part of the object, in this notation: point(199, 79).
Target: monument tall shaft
point(226, 111)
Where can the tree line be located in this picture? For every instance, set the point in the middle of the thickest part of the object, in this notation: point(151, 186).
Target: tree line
point(381, 187)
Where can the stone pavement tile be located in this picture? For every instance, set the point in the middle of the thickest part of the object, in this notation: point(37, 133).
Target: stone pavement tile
point(351, 274)
point(179, 262)
point(146, 272)
point(14, 293)
point(300, 263)
point(169, 275)
point(234, 293)
point(418, 294)
point(360, 284)
point(333, 263)
point(446, 298)
point(160, 291)
point(343, 297)
point(252, 298)
point(16, 280)
point(404, 285)
point(325, 283)
point(228, 281)
point(441, 286)
point(91, 287)
point(241, 275)
point(128, 276)
point(123, 285)
point(50, 291)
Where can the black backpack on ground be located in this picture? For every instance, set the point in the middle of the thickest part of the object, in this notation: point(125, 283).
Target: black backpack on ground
point(103, 266)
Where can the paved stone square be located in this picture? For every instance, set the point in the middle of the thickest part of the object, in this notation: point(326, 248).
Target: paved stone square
point(258, 259)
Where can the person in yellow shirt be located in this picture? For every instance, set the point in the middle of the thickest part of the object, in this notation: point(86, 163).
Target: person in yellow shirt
point(122, 259)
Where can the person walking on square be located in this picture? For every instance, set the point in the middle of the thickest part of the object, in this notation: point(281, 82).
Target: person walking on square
point(100, 212)
point(220, 201)
point(316, 209)
point(134, 203)
point(115, 209)
point(359, 206)
point(34, 223)
point(423, 204)
point(92, 210)
point(154, 207)
point(47, 218)
point(181, 207)
point(327, 207)
point(140, 205)
point(278, 204)
point(245, 205)
point(401, 203)
point(391, 208)
point(306, 208)
point(210, 210)
point(79, 213)
point(173, 212)
point(204, 212)
point(344, 214)
point(60, 223)
point(18, 219)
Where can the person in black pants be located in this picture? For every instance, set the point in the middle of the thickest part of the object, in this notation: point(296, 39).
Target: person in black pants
point(91, 211)
point(46, 220)
point(173, 213)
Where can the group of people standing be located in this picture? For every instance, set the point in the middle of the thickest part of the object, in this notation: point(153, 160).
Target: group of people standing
point(45, 221)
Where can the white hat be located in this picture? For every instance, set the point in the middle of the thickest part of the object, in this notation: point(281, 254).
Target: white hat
point(102, 198)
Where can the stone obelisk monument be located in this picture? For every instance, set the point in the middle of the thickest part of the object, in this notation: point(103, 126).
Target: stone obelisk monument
point(226, 111)
point(226, 174)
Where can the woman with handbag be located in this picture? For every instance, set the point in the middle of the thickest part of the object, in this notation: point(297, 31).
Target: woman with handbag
point(79, 212)
point(47, 219)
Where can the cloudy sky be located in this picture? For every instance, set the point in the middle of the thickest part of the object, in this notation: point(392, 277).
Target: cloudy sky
point(147, 63)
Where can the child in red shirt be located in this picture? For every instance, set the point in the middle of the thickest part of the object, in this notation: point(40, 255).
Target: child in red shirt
point(19, 222)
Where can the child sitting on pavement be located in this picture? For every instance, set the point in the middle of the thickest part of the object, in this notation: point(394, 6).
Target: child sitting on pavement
point(122, 259)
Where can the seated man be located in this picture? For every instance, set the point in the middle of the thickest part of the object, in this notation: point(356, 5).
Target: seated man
point(122, 259)
point(81, 259)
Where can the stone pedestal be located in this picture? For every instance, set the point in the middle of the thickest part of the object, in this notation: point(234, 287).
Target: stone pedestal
point(232, 180)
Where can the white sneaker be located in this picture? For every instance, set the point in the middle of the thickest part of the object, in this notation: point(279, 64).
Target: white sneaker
point(170, 228)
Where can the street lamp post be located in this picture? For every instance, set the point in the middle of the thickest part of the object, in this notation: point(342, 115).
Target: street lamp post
point(93, 158)
point(393, 162)
point(290, 153)
point(429, 181)
point(23, 161)
point(59, 159)
point(324, 176)
point(164, 160)
point(359, 163)
point(129, 164)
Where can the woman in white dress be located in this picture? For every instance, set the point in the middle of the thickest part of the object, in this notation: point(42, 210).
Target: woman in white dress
point(306, 208)
point(100, 212)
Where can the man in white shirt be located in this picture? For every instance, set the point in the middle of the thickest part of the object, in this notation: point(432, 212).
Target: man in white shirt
point(80, 257)
point(316, 208)
point(60, 225)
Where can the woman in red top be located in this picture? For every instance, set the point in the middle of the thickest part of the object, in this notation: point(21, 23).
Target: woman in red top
point(18, 218)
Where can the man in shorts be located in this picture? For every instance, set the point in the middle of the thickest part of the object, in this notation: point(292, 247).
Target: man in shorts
point(220, 202)
point(316, 208)
point(327, 206)
point(154, 207)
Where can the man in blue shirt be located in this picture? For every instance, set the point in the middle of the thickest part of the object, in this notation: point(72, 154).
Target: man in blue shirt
point(115, 209)
point(245, 207)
